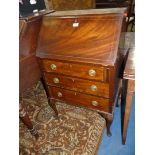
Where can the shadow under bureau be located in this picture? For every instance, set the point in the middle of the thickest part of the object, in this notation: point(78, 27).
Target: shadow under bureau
point(79, 58)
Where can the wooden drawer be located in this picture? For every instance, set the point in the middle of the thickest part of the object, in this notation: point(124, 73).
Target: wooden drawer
point(79, 99)
point(73, 69)
point(59, 80)
point(76, 84)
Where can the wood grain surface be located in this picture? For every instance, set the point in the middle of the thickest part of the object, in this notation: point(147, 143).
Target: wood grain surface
point(94, 40)
point(78, 84)
point(129, 72)
point(80, 99)
point(74, 69)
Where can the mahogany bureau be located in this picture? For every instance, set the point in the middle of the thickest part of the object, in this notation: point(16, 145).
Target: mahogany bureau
point(79, 58)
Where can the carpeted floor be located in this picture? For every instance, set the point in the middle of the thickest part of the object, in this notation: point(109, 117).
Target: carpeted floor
point(77, 131)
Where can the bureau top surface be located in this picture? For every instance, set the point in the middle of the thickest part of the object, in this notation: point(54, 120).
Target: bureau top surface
point(83, 38)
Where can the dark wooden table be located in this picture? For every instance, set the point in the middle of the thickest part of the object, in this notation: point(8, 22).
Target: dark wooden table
point(128, 85)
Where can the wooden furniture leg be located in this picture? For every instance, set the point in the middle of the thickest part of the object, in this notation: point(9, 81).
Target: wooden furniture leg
point(130, 11)
point(50, 102)
point(26, 120)
point(119, 93)
point(127, 94)
point(53, 106)
point(109, 120)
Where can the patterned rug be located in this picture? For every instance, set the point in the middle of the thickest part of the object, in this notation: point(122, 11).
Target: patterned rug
point(78, 131)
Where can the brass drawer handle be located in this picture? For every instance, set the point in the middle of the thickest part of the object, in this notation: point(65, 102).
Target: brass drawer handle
point(93, 87)
point(94, 103)
point(59, 94)
point(55, 80)
point(92, 72)
point(53, 67)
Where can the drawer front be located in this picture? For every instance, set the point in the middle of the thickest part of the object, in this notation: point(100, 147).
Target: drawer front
point(77, 70)
point(59, 80)
point(79, 99)
point(76, 84)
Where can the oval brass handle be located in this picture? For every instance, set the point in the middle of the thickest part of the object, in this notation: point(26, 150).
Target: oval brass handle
point(93, 87)
point(53, 67)
point(92, 72)
point(59, 94)
point(94, 103)
point(55, 80)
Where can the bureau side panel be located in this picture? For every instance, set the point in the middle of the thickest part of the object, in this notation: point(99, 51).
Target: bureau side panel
point(114, 80)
